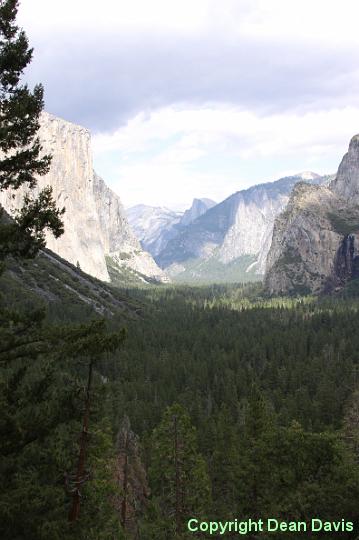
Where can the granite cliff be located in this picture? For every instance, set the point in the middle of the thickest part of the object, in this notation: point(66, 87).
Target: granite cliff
point(95, 224)
point(198, 208)
point(155, 226)
point(315, 244)
point(230, 241)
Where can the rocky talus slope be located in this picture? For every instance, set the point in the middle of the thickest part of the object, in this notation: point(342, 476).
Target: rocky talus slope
point(315, 244)
point(95, 222)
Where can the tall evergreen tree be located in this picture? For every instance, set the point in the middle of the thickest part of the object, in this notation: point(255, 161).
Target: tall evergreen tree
point(21, 159)
point(131, 478)
point(178, 471)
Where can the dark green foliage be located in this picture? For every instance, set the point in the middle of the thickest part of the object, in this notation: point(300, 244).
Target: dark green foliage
point(178, 473)
point(65, 291)
point(42, 397)
point(19, 107)
point(266, 383)
point(351, 289)
point(21, 161)
point(345, 222)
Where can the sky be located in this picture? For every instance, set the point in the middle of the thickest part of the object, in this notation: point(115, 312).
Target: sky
point(200, 98)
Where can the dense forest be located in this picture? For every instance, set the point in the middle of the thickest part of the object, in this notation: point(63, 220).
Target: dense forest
point(259, 396)
point(124, 413)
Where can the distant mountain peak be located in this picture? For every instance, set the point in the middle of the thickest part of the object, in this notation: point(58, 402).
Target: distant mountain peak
point(198, 208)
point(308, 175)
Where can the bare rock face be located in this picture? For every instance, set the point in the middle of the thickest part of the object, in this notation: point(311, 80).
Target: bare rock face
point(95, 222)
point(71, 177)
point(199, 207)
point(315, 244)
point(119, 242)
point(231, 239)
point(346, 183)
point(154, 226)
point(252, 226)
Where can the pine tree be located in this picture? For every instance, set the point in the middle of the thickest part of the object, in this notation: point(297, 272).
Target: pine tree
point(178, 471)
point(42, 395)
point(224, 462)
point(255, 470)
point(20, 149)
point(131, 478)
point(351, 424)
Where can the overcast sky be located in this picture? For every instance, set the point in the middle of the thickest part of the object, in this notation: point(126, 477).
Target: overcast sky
point(200, 98)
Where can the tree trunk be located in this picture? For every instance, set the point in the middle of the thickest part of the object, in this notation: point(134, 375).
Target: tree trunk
point(80, 473)
point(177, 479)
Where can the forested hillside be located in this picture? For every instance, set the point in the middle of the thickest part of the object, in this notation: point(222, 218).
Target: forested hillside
point(262, 394)
point(127, 414)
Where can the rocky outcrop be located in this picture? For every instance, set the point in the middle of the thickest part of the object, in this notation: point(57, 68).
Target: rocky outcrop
point(315, 244)
point(71, 177)
point(233, 237)
point(120, 243)
point(198, 208)
point(346, 182)
point(154, 226)
point(95, 222)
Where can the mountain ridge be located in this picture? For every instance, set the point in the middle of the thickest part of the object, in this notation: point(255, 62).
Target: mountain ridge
point(237, 229)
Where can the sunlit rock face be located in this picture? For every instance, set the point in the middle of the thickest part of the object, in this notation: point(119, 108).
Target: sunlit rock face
point(95, 222)
point(346, 183)
point(118, 239)
point(316, 239)
point(154, 226)
point(237, 231)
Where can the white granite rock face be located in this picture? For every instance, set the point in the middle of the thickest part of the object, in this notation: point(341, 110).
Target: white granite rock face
point(117, 237)
point(198, 208)
point(315, 244)
point(242, 225)
point(154, 226)
point(252, 228)
point(71, 177)
point(346, 183)
point(305, 244)
point(95, 222)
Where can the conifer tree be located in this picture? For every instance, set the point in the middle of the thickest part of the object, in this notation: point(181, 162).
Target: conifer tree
point(351, 424)
point(21, 159)
point(131, 478)
point(178, 471)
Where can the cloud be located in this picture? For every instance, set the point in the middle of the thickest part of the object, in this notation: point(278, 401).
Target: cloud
point(101, 67)
point(173, 154)
point(200, 98)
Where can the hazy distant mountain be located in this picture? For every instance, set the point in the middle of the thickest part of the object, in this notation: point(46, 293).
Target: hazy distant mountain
point(155, 226)
point(230, 241)
point(199, 207)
